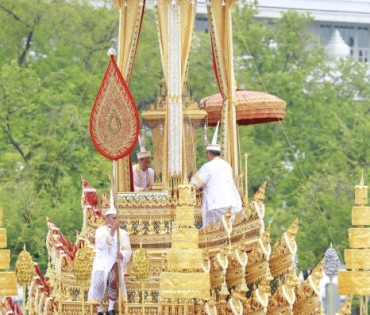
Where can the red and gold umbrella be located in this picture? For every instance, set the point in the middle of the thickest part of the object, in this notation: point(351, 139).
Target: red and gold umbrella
point(251, 107)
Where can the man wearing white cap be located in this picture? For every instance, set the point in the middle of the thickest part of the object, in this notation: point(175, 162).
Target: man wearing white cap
point(142, 173)
point(105, 266)
point(219, 190)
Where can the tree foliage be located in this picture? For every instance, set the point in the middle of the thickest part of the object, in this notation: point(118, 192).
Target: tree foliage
point(52, 59)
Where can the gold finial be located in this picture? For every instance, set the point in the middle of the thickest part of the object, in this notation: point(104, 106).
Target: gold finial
point(141, 264)
point(346, 307)
point(24, 267)
point(82, 264)
point(361, 192)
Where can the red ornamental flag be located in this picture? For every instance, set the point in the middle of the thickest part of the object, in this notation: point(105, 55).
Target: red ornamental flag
point(114, 119)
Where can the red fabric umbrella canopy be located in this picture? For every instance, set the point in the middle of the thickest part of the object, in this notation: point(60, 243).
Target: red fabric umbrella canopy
point(251, 107)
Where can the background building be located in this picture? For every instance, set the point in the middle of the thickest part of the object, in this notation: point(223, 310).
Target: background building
point(350, 17)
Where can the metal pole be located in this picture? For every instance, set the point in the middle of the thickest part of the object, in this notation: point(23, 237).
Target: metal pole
point(331, 299)
point(119, 274)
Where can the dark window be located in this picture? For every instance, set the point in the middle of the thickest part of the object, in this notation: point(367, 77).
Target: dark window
point(325, 33)
point(348, 34)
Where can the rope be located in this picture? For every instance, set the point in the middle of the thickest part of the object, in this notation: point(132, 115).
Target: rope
point(291, 148)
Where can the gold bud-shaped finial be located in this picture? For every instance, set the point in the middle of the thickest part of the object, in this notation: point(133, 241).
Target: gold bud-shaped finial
point(361, 192)
point(24, 268)
point(141, 264)
point(82, 264)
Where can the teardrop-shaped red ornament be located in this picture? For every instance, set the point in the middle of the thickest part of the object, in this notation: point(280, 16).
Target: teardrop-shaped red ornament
point(114, 119)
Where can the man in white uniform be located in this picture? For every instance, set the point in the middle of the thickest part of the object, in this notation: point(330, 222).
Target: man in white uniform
point(142, 173)
point(219, 190)
point(105, 266)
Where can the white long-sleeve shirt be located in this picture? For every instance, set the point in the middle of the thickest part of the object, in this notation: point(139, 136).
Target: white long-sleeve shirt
point(219, 190)
point(142, 179)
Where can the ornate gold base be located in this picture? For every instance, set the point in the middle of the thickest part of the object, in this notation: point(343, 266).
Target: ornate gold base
point(354, 282)
point(8, 285)
point(357, 258)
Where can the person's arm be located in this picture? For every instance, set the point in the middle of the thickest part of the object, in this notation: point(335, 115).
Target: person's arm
point(103, 239)
point(125, 247)
point(200, 179)
point(136, 180)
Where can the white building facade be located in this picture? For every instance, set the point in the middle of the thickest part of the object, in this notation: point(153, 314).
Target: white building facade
point(350, 17)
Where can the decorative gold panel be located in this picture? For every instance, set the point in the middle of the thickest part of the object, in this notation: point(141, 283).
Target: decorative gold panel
point(4, 258)
point(3, 242)
point(360, 195)
point(187, 195)
point(185, 238)
point(357, 258)
point(185, 285)
point(184, 216)
point(360, 215)
point(359, 237)
point(178, 259)
point(353, 282)
point(8, 285)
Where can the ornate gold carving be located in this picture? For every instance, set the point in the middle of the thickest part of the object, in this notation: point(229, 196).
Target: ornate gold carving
point(360, 215)
point(179, 259)
point(361, 193)
point(24, 268)
point(357, 258)
point(184, 216)
point(8, 285)
point(354, 282)
point(184, 238)
point(308, 293)
point(359, 237)
point(186, 195)
point(3, 240)
point(346, 307)
point(185, 285)
point(82, 264)
point(4, 258)
point(141, 264)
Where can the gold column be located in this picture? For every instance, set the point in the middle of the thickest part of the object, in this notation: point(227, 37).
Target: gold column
point(8, 279)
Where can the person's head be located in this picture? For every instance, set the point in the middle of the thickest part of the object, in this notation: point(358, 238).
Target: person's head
point(144, 163)
point(211, 154)
point(111, 215)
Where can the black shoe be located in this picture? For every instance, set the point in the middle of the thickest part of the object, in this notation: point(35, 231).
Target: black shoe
point(111, 312)
point(100, 313)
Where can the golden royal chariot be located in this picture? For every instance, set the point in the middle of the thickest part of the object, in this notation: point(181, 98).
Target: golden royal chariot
point(225, 268)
